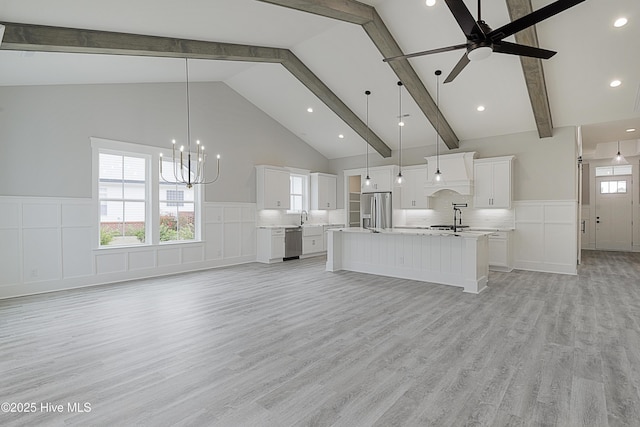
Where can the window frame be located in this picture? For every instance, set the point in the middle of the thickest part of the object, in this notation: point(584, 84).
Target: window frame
point(306, 189)
point(152, 204)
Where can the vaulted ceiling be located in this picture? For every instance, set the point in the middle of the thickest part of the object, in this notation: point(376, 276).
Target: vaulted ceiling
point(324, 54)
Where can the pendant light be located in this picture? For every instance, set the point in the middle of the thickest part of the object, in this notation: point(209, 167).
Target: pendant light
point(367, 185)
point(438, 179)
point(619, 158)
point(400, 180)
point(188, 168)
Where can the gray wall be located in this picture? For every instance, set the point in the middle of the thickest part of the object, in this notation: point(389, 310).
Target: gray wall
point(544, 169)
point(45, 130)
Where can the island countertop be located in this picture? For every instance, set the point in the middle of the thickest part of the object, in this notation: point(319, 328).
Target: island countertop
point(418, 231)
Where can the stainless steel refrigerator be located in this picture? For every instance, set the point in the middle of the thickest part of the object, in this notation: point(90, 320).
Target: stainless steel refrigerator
point(376, 210)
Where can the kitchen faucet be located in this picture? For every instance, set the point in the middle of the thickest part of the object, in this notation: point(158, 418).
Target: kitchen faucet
point(306, 216)
point(456, 209)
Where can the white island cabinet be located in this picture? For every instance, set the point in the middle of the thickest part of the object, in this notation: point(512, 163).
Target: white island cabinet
point(457, 259)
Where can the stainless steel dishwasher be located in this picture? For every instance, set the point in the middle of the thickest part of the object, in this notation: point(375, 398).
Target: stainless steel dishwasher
point(292, 243)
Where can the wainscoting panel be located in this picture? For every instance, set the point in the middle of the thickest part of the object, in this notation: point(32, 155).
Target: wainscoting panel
point(545, 237)
point(213, 238)
point(77, 214)
point(10, 249)
point(40, 215)
point(193, 253)
point(9, 214)
point(111, 262)
point(76, 247)
point(168, 256)
point(47, 244)
point(41, 254)
point(139, 260)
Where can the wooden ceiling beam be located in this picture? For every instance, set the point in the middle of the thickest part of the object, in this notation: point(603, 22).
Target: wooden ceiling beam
point(533, 70)
point(358, 13)
point(27, 37)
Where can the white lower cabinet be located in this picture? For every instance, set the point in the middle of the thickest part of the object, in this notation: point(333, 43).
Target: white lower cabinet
point(500, 251)
point(270, 245)
point(312, 240)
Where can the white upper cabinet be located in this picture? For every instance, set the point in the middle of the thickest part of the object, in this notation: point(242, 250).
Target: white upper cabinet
point(493, 182)
point(323, 191)
point(381, 179)
point(413, 191)
point(273, 187)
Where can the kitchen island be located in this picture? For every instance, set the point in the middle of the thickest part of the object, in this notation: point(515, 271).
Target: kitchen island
point(444, 257)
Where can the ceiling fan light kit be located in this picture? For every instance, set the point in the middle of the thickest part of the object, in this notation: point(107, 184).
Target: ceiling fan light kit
point(482, 40)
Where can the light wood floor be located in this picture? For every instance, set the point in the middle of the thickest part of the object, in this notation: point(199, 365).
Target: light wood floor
point(290, 344)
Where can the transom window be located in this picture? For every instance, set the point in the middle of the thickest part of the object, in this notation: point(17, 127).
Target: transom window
point(613, 170)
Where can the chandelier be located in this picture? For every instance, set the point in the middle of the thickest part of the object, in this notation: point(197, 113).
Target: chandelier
point(189, 167)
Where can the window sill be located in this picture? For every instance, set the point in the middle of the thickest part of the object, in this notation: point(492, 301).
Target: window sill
point(134, 248)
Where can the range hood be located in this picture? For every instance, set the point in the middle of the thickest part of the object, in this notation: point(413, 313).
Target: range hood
point(457, 173)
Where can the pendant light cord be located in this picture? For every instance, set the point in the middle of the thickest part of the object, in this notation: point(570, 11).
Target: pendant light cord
point(186, 65)
point(399, 126)
point(367, 92)
point(438, 72)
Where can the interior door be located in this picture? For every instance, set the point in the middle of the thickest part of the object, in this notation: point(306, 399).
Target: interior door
point(614, 213)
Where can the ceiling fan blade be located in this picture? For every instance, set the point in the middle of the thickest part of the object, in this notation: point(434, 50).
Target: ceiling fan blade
point(464, 18)
point(458, 68)
point(522, 50)
point(427, 52)
point(532, 19)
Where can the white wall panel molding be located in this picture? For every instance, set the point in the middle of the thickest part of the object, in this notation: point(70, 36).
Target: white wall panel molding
point(545, 237)
point(46, 245)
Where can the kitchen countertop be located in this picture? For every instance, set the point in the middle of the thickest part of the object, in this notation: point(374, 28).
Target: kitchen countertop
point(469, 229)
point(417, 231)
point(297, 226)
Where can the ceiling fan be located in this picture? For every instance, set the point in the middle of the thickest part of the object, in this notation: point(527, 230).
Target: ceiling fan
point(482, 40)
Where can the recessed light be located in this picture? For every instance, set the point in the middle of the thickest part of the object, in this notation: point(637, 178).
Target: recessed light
point(400, 123)
point(631, 130)
point(480, 108)
point(310, 110)
point(341, 136)
point(615, 83)
point(620, 22)
point(430, 2)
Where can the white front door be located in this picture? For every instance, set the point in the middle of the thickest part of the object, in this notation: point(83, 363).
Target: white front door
point(614, 213)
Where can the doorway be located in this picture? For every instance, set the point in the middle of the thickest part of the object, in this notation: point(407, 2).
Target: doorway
point(614, 213)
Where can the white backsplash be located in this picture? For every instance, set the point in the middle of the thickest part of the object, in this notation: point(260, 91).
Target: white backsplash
point(441, 212)
point(278, 217)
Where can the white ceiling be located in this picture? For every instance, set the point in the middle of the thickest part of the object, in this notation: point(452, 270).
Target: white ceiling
point(591, 53)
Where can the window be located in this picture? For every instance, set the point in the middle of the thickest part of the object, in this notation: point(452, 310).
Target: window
point(177, 207)
point(613, 170)
point(122, 198)
point(135, 203)
point(299, 198)
point(613, 187)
